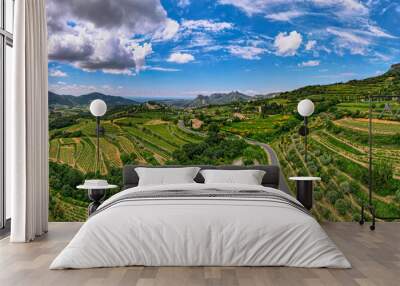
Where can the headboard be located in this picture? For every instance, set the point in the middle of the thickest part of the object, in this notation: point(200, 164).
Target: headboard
point(271, 177)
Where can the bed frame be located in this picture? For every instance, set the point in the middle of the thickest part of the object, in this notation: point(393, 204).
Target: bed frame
point(270, 179)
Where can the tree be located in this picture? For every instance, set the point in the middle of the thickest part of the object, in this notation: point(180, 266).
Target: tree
point(128, 159)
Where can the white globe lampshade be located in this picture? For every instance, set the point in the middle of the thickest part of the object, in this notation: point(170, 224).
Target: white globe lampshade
point(98, 107)
point(305, 107)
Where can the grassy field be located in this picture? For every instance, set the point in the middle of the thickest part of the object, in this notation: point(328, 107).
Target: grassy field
point(378, 126)
point(256, 127)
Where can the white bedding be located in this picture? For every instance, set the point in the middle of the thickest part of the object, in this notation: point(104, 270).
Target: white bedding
point(200, 231)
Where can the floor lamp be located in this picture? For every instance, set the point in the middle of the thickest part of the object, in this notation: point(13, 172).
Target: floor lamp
point(98, 108)
point(305, 109)
point(369, 205)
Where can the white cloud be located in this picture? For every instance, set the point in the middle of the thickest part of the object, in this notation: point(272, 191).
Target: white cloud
point(310, 45)
point(150, 68)
point(246, 52)
point(200, 39)
point(285, 16)
point(206, 25)
point(382, 57)
point(338, 76)
point(250, 7)
point(167, 32)
point(377, 32)
point(180, 58)
point(348, 40)
point(344, 9)
point(183, 3)
point(140, 53)
point(57, 73)
point(105, 40)
point(311, 63)
point(287, 44)
point(76, 89)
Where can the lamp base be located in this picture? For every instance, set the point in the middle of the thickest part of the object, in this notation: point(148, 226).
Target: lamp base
point(96, 196)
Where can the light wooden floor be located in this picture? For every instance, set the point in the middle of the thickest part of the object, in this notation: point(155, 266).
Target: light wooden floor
point(375, 257)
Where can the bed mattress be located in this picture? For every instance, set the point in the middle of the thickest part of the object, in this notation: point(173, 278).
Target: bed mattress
point(201, 225)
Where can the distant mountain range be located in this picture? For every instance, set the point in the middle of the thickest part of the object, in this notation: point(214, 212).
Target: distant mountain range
point(215, 99)
point(218, 99)
point(85, 99)
point(200, 101)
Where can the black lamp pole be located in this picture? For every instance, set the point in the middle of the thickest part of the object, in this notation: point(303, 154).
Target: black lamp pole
point(370, 150)
point(98, 145)
point(305, 139)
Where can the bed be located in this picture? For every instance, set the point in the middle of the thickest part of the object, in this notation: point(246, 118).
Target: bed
point(198, 224)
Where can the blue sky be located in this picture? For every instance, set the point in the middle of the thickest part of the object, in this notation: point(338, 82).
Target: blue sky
point(185, 47)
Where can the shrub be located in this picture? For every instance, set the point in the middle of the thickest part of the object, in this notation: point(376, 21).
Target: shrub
point(356, 217)
point(317, 195)
point(332, 172)
point(333, 196)
point(326, 159)
point(354, 187)
point(345, 187)
point(342, 206)
point(128, 158)
point(326, 214)
point(313, 169)
point(331, 186)
point(303, 172)
point(397, 196)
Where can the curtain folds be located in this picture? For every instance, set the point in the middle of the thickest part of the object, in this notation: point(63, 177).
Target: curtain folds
point(27, 124)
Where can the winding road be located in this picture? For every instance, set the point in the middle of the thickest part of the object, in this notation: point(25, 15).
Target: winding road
point(283, 185)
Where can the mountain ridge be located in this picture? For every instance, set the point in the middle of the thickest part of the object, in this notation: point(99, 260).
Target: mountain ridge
point(85, 99)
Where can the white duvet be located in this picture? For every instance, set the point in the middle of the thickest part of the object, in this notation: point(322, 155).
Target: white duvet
point(202, 232)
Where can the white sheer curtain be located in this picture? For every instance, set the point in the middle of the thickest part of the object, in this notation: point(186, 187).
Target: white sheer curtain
point(27, 124)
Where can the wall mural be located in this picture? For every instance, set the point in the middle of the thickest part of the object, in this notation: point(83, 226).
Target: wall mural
point(218, 82)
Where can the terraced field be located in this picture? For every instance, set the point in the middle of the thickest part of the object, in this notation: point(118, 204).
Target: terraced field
point(364, 106)
point(255, 124)
point(378, 126)
point(342, 164)
point(67, 209)
point(151, 141)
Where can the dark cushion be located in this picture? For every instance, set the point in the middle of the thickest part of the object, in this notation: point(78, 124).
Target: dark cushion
point(270, 179)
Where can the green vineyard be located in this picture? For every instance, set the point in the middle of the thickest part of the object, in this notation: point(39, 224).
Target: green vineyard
point(151, 142)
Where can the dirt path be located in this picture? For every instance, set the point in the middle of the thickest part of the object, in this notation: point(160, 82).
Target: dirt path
point(182, 126)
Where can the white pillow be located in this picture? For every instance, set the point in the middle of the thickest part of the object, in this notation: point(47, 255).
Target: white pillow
point(166, 176)
point(248, 177)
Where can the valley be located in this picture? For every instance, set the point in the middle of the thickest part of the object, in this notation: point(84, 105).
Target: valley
point(155, 133)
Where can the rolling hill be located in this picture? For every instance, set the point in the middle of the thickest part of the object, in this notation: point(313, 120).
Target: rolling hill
point(85, 99)
point(385, 84)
